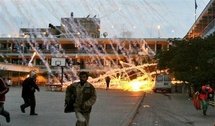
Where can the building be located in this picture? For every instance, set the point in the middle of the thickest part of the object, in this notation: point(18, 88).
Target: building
point(77, 41)
point(70, 27)
point(34, 32)
point(21, 50)
point(205, 23)
point(94, 54)
point(80, 27)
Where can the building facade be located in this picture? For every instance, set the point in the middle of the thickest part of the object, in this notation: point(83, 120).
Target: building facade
point(205, 23)
point(94, 52)
point(77, 40)
point(69, 28)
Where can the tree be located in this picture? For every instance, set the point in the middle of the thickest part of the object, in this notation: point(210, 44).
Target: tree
point(191, 61)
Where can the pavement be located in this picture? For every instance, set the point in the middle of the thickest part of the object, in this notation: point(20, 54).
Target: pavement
point(172, 109)
point(112, 108)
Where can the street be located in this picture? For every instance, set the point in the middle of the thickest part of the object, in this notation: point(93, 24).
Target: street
point(174, 109)
point(112, 108)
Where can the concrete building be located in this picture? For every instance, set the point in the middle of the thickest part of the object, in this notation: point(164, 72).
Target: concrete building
point(70, 27)
point(21, 50)
point(205, 23)
point(80, 27)
point(77, 41)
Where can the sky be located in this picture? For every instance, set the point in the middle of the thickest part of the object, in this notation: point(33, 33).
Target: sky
point(141, 18)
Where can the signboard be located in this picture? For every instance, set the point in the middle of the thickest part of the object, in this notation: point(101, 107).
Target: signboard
point(58, 62)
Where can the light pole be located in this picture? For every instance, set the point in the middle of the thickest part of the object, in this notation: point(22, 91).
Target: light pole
point(158, 27)
point(173, 33)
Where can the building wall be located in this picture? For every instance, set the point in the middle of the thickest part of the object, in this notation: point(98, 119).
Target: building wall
point(81, 27)
point(93, 55)
point(95, 52)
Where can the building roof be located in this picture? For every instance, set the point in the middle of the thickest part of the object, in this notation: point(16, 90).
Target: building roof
point(204, 23)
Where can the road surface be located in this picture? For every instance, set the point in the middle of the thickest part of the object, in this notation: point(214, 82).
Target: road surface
point(174, 109)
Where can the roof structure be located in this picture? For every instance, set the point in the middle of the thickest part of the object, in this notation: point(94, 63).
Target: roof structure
point(205, 23)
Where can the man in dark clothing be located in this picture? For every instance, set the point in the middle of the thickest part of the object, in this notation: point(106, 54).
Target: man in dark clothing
point(3, 90)
point(107, 80)
point(28, 89)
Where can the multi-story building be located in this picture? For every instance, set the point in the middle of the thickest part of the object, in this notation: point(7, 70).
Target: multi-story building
point(94, 54)
point(77, 40)
point(70, 28)
point(205, 23)
point(21, 50)
point(34, 32)
point(80, 27)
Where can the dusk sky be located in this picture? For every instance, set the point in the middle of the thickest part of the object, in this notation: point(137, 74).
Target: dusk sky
point(140, 17)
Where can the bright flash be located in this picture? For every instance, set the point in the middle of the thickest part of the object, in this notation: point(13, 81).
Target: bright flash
point(124, 79)
point(135, 85)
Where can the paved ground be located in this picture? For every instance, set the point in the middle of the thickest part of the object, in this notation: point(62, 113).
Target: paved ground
point(171, 110)
point(113, 108)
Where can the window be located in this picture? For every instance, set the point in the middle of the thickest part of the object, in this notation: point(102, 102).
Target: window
point(159, 78)
point(166, 78)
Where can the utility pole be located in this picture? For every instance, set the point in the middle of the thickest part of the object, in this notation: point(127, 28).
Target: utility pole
point(158, 28)
point(196, 6)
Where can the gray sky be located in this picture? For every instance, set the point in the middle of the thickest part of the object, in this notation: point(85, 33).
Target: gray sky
point(141, 17)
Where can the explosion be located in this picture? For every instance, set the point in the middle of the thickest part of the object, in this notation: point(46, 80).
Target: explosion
point(133, 78)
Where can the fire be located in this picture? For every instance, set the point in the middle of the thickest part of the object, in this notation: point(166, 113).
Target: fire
point(129, 78)
point(142, 83)
point(135, 85)
point(138, 84)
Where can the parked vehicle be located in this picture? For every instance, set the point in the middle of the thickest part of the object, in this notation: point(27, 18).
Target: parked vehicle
point(162, 83)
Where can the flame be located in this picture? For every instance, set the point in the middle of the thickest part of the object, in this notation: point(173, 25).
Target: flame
point(121, 78)
point(135, 85)
point(138, 84)
point(142, 83)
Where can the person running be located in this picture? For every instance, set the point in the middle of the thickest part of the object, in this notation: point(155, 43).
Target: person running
point(83, 95)
point(107, 80)
point(28, 89)
point(203, 94)
point(3, 90)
